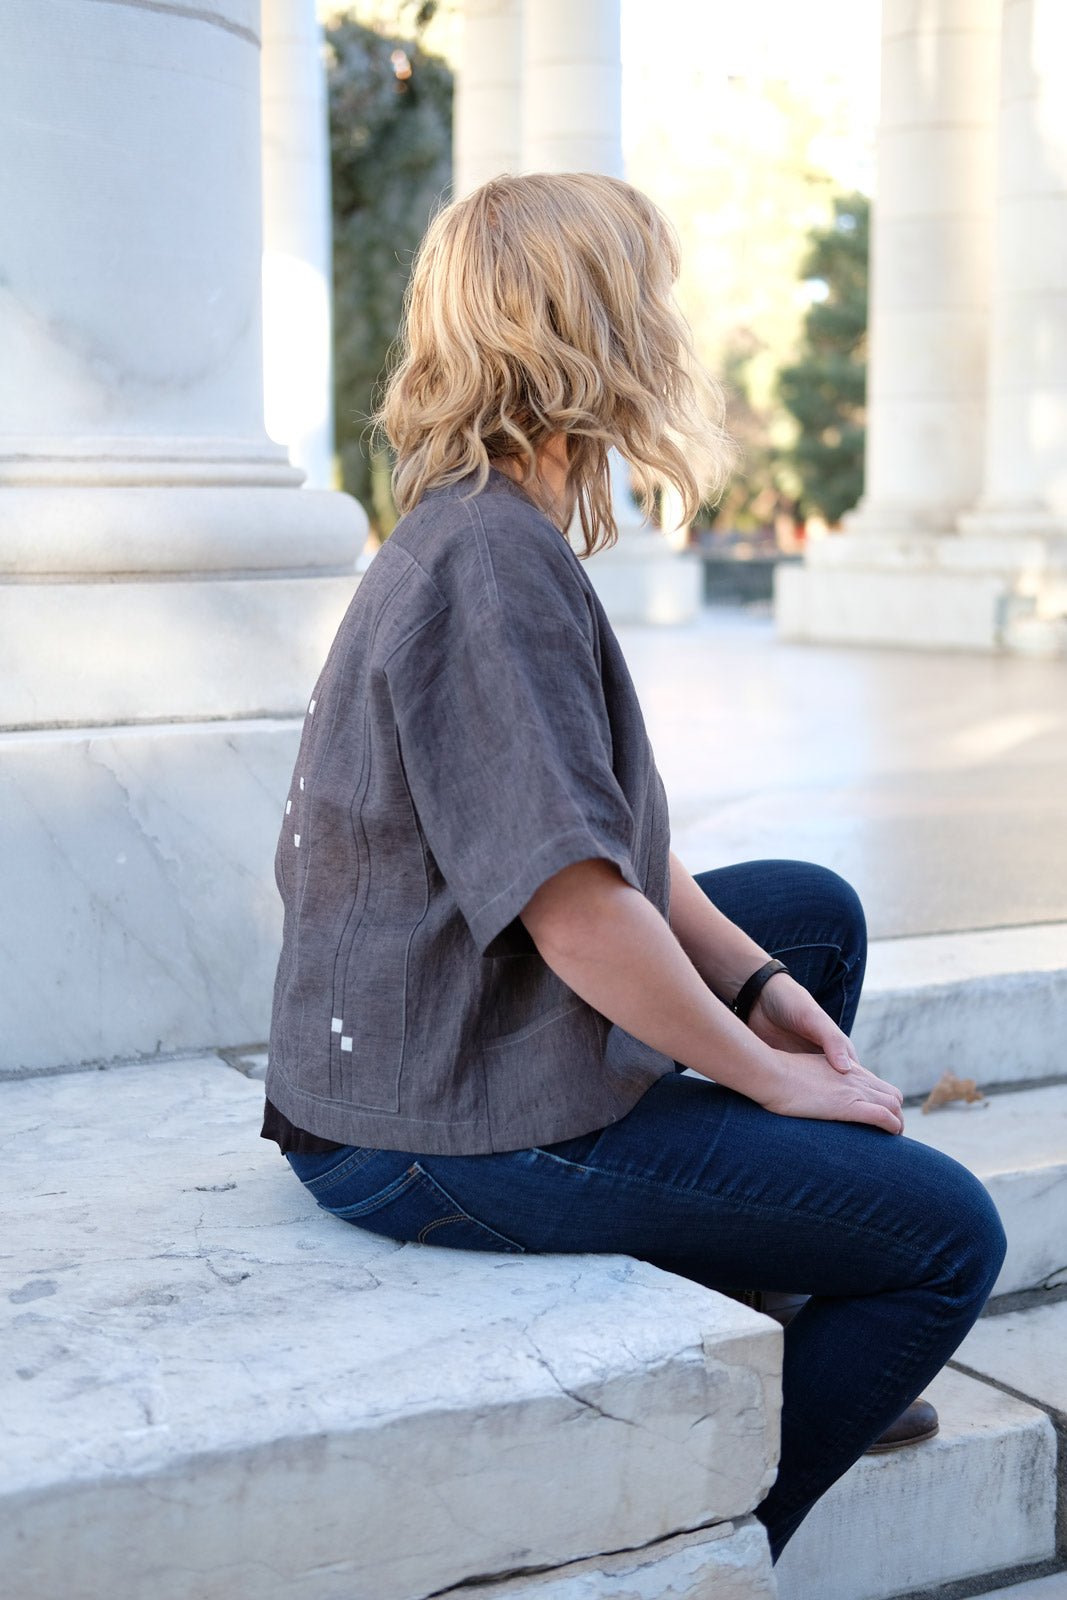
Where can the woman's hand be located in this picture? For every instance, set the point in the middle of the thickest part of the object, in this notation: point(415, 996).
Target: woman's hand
point(808, 1086)
point(786, 1017)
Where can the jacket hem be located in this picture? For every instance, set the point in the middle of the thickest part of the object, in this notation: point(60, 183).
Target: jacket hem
point(347, 1124)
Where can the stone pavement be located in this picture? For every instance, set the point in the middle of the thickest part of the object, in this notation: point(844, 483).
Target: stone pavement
point(933, 782)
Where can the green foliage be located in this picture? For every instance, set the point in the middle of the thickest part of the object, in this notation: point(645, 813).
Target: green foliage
point(825, 390)
point(391, 159)
point(753, 497)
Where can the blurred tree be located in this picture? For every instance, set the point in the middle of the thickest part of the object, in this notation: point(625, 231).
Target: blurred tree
point(825, 389)
point(391, 159)
point(755, 496)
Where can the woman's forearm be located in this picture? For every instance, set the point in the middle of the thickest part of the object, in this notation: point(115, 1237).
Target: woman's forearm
point(722, 953)
point(611, 946)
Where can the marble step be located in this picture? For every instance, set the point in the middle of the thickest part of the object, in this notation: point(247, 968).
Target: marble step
point(209, 1387)
point(1017, 1145)
point(1026, 1352)
point(990, 1005)
point(1053, 1587)
point(979, 1498)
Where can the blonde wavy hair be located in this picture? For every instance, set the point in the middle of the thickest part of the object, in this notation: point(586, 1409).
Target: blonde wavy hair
point(543, 305)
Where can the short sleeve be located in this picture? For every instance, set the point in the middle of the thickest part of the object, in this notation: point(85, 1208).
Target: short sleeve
point(506, 742)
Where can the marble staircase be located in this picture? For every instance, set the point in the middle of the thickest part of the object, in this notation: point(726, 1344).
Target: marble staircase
point(212, 1391)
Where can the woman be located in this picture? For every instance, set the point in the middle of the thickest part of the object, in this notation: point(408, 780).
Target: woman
point(491, 963)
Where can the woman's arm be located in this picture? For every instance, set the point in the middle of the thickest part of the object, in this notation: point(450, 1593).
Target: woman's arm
point(785, 1015)
point(612, 947)
point(723, 955)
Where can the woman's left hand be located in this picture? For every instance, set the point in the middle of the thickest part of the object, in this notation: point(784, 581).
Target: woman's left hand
point(787, 1018)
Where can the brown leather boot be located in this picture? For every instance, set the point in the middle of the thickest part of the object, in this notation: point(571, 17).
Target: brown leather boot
point(916, 1423)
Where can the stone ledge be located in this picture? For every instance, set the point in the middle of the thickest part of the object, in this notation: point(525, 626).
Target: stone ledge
point(935, 609)
point(730, 1561)
point(1053, 1587)
point(1023, 1351)
point(990, 1005)
point(210, 1387)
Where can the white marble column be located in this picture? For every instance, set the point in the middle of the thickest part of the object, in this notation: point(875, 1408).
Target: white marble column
point(167, 590)
point(968, 381)
point(572, 87)
point(572, 122)
point(931, 248)
point(297, 269)
point(132, 441)
point(488, 114)
point(1025, 486)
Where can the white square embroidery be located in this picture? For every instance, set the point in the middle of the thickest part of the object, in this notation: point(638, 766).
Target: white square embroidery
point(296, 840)
point(288, 807)
point(301, 783)
point(336, 1024)
point(346, 1042)
point(311, 709)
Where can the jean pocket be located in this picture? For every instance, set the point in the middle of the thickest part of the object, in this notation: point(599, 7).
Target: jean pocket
point(414, 1209)
point(321, 1173)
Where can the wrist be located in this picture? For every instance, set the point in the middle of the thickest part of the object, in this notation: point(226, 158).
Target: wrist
point(743, 1061)
point(753, 986)
point(770, 1082)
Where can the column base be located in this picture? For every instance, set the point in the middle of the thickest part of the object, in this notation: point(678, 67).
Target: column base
point(158, 461)
point(1021, 520)
point(137, 861)
point(986, 593)
point(111, 529)
point(641, 579)
point(122, 604)
point(142, 651)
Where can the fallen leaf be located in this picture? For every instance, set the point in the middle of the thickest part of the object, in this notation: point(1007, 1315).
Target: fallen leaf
point(953, 1088)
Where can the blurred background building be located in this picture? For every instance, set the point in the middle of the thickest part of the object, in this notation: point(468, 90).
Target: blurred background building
point(758, 130)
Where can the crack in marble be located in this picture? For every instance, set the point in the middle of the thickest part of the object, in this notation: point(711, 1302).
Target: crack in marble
point(192, 14)
point(577, 1563)
point(102, 905)
point(572, 1394)
point(170, 864)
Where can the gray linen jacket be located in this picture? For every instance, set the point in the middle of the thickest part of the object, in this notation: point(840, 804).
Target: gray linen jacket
point(474, 731)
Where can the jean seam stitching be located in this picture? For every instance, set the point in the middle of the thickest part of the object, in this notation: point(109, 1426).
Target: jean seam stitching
point(761, 1209)
point(575, 1166)
point(464, 1216)
point(392, 1191)
point(335, 1174)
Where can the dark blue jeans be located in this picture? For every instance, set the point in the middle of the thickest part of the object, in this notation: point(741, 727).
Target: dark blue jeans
point(897, 1245)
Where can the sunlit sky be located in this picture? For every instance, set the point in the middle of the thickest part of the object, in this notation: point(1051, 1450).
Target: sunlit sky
point(675, 52)
point(678, 53)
